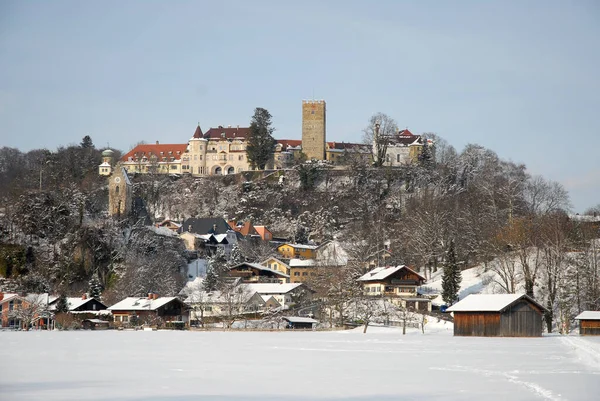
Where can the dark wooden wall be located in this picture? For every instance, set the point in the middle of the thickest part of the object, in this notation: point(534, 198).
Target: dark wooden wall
point(589, 327)
point(522, 319)
point(483, 324)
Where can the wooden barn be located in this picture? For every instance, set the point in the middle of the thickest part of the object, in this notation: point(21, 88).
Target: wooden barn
point(498, 315)
point(589, 323)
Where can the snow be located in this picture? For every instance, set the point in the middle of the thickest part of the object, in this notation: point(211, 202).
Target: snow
point(135, 303)
point(292, 366)
point(485, 302)
point(589, 315)
point(297, 319)
point(381, 273)
point(272, 288)
point(474, 281)
point(302, 262)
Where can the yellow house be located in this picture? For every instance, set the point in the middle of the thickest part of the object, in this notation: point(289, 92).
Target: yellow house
point(297, 251)
point(277, 265)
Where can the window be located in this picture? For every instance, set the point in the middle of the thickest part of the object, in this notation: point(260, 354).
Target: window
point(305, 273)
point(200, 157)
point(125, 319)
point(241, 157)
point(173, 167)
point(215, 157)
point(1, 306)
point(11, 305)
point(387, 158)
point(398, 157)
point(208, 308)
point(230, 157)
point(296, 273)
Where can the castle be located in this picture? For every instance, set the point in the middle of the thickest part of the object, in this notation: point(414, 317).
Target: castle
point(222, 150)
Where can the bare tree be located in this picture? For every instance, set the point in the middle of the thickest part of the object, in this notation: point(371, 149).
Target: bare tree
point(378, 133)
point(235, 297)
point(30, 309)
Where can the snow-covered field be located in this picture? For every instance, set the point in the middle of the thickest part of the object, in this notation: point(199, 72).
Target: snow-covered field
point(379, 365)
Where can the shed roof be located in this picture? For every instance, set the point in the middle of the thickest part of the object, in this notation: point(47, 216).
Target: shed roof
point(588, 315)
point(490, 302)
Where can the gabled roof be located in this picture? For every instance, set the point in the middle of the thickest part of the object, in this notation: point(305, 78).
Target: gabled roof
point(588, 315)
point(73, 302)
point(205, 225)
point(260, 267)
point(245, 228)
point(289, 143)
point(266, 261)
point(141, 303)
point(8, 297)
point(148, 150)
point(490, 302)
point(227, 133)
point(262, 230)
point(381, 273)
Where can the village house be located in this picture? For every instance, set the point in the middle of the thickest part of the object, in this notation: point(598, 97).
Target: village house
point(589, 323)
point(298, 251)
point(302, 269)
point(257, 273)
point(154, 159)
point(497, 315)
point(399, 284)
point(24, 311)
point(79, 304)
point(136, 310)
point(403, 148)
point(276, 264)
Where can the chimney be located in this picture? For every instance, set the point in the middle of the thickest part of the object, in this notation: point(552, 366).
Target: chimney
point(84, 296)
point(157, 142)
point(150, 295)
point(154, 296)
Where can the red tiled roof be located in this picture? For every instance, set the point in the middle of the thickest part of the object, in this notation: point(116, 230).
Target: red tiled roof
point(405, 137)
point(287, 143)
point(155, 149)
point(262, 230)
point(230, 133)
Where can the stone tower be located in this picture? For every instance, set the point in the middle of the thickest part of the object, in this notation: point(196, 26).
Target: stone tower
point(119, 193)
point(313, 129)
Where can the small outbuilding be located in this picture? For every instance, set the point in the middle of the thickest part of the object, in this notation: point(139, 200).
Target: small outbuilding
point(498, 315)
point(589, 323)
point(296, 322)
point(95, 324)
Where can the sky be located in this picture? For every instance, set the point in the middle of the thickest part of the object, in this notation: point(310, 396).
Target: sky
point(520, 78)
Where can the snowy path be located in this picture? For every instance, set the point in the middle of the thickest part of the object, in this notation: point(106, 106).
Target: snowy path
point(235, 366)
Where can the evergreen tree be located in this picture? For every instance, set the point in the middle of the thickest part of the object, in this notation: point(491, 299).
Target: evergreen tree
point(260, 141)
point(236, 257)
point(86, 142)
point(94, 287)
point(62, 306)
point(426, 156)
point(451, 278)
point(216, 270)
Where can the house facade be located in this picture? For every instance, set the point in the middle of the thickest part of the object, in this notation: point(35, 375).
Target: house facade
point(139, 309)
point(589, 323)
point(258, 273)
point(398, 284)
point(291, 251)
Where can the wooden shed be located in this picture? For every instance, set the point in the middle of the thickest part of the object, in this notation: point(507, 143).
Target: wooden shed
point(589, 323)
point(498, 315)
point(296, 322)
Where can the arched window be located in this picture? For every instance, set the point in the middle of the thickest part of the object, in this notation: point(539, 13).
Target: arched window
point(231, 170)
point(218, 171)
point(117, 190)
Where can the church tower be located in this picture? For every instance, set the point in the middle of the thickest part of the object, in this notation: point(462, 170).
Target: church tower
point(313, 129)
point(105, 169)
point(119, 193)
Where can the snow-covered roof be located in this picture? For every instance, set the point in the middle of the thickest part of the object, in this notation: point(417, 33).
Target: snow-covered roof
point(105, 164)
point(271, 288)
point(302, 262)
point(302, 246)
point(8, 297)
point(381, 273)
point(76, 302)
point(588, 315)
point(488, 302)
point(135, 303)
point(261, 267)
point(297, 319)
point(272, 258)
point(99, 321)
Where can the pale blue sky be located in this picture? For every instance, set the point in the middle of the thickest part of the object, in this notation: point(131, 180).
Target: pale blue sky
point(519, 77)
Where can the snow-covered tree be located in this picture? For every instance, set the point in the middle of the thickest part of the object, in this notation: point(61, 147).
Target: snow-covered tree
point(94, 287)
point(216, 270)
point(451, 278)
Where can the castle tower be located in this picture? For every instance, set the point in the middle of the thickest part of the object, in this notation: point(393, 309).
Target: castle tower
point(313, 129)
point(119, 193)
point(105, 168)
